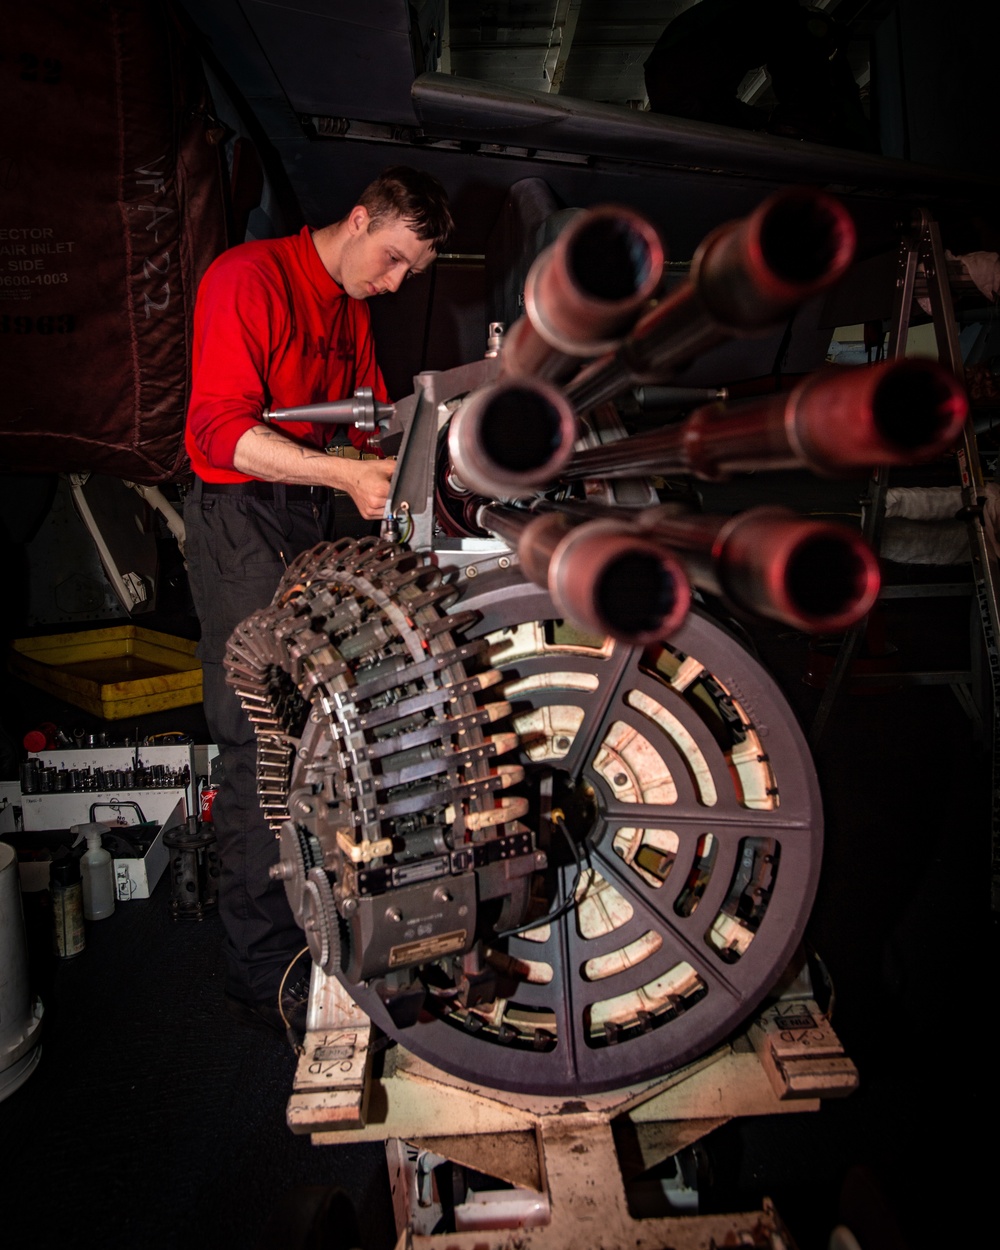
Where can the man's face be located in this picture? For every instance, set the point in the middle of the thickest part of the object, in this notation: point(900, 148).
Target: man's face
point(376, 262)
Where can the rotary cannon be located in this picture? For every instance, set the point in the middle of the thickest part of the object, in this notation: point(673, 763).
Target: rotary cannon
point(549, 827)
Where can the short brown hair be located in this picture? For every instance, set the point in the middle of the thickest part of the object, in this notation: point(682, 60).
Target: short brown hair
point(412, 195)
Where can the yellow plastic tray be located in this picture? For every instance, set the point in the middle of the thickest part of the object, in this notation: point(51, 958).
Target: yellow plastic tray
point(114, 673)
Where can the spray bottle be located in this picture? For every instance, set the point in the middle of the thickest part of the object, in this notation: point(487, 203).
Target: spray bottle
point(98, 872)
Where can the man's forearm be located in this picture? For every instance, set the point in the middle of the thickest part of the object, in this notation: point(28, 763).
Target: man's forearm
point(266, 453)
point(269, 455)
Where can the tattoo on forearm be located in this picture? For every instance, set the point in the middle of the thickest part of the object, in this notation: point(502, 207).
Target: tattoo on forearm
point(272, 436)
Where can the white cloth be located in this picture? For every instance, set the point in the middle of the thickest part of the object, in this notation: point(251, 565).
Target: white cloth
point(920, 527)
point(983, 269)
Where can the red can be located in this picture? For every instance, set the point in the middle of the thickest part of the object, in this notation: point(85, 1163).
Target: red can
point(207, 799)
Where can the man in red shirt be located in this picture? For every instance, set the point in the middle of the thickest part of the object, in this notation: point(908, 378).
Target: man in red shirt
point(279, 323)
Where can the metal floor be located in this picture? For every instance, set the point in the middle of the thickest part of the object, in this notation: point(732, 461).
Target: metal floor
point(153, 1120)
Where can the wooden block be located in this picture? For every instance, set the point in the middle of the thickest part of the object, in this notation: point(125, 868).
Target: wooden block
point(324, 1110)
point(330, 1089)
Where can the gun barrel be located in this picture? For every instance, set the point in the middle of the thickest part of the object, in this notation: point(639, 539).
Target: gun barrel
point(584, 291)
point(511, 437)
point(816, 576)
point(746, 276)
point(509, 524)
point(605, 575)
point(899, 412)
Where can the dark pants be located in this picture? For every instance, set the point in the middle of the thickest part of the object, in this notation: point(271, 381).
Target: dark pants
point(236, 550)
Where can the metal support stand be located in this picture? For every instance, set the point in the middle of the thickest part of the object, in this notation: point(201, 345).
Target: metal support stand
point(566, 1162)
point(921, 250)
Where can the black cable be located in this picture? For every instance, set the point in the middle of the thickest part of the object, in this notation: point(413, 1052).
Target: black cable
point(568, 902)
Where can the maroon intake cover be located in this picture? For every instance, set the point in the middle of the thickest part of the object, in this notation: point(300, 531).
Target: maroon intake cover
point(112, 208)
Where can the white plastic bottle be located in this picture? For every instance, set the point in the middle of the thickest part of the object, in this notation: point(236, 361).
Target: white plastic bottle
point(98, 873)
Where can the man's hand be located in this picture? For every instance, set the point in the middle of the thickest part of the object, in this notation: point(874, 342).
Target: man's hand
point(272, 456)
point(368, 485)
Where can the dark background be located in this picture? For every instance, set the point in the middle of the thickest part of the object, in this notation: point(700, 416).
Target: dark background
point(154, 1120)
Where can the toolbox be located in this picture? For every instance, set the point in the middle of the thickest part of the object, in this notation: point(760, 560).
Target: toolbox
point(139, 852)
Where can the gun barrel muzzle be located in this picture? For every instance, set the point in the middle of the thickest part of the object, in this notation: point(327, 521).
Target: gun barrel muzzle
point(817, 576)
point(584, 291)
point(611, 578)
point(511, 437)
point(604, 575)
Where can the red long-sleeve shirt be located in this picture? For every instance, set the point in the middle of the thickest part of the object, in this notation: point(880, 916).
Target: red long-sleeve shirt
point(271, 330)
